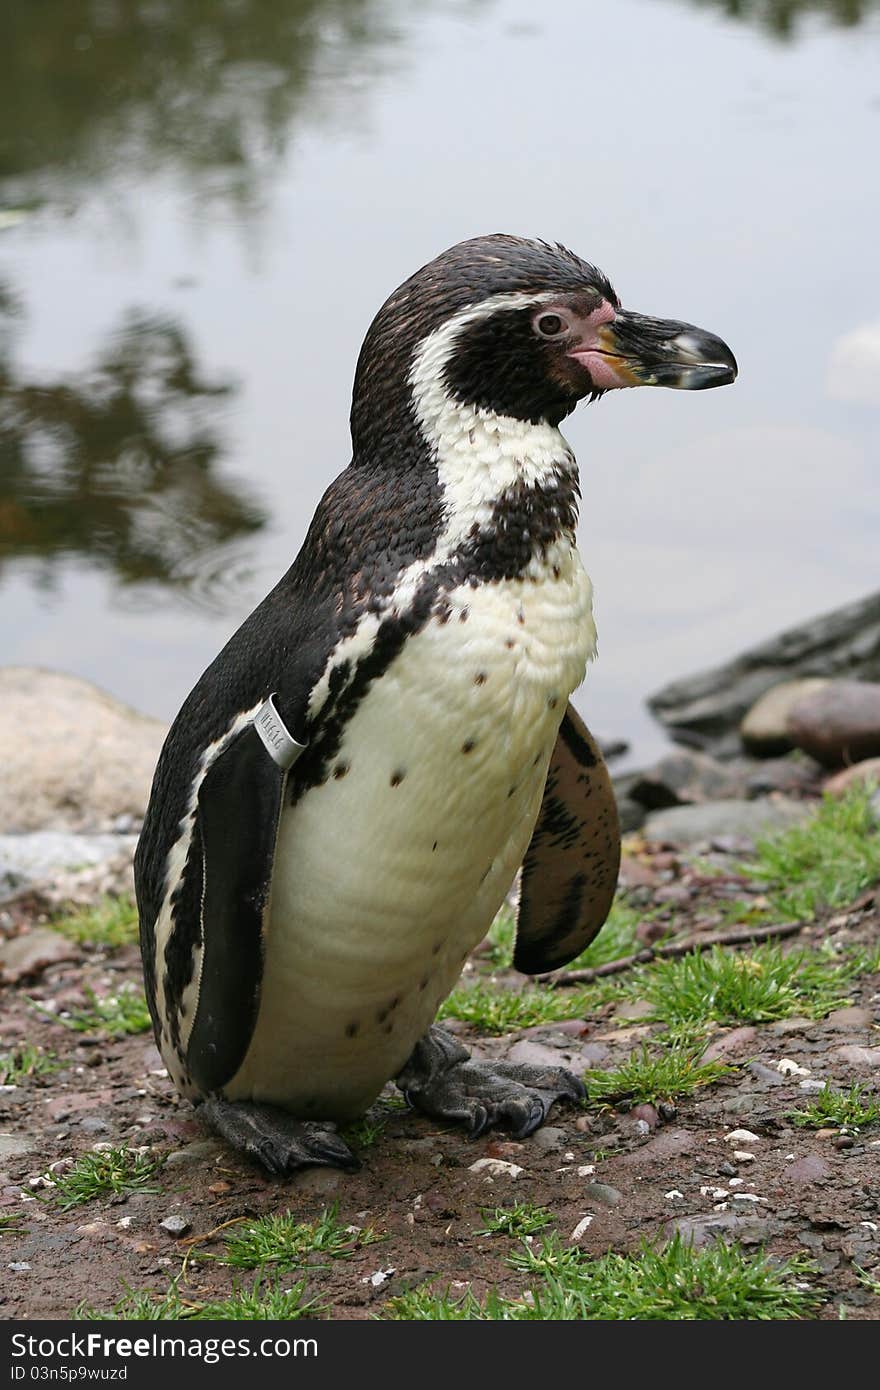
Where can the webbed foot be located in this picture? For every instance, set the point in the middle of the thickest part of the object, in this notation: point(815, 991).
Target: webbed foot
point(275, 1138)
point(440, 1079)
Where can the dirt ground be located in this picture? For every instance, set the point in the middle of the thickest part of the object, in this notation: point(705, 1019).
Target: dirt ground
point(637, 1173)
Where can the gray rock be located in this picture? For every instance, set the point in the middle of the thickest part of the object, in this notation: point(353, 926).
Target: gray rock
point(714, 820)
point(13, 1146)
point(858, 1056)
point(199, 1151)
point(73, 757)
point(22, 957)
point(682, 778)
point(602, 1193)
point(764, 730)
point(176, 1226)
point(839, 723)
point(863, 774)
point(548, 1137)
point(797, 773)
point(47, 857)
point(748, 1229)
point(705, 710)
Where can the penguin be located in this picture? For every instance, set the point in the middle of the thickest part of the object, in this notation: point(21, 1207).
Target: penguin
point(348, 793)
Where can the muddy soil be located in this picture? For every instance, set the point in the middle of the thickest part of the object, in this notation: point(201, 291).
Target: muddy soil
point(637, 1173)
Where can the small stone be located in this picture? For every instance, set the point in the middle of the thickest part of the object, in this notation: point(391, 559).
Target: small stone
point(602, 1193)
point(850, 1019)
point(858, 1056)
point(22, 957)
point(586, 1170)
point(18, 1266)
point(843, 1141)
point(812, 1085)
point(767, 1074)
point(786, 1066)
point(548, 1137)
point(647, 1113)
point(199, 1151)
point(176, 1226)
point(839, 723)
point(764, 730)
point(741, 1136)
point(706, 822)
point(729, 1043)
point(726, 1170)
point(826, 1133)
point(220, 1188)
point(742, 1156)
point(666, 1111)
point(810, 1169)
point(673, 1195)
point(865, 773)
point(496, 1168)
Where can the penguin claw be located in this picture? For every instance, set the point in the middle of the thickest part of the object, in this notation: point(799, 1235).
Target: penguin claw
point(275, 1139)
point(441, 1080)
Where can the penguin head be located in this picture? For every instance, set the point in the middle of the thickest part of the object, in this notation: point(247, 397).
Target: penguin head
point(525, 329)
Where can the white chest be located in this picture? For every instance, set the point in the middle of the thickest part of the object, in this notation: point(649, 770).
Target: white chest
point(389, 873)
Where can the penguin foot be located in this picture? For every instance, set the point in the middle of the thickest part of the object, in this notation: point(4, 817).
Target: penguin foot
point(275, 1138)
point(440, 1079)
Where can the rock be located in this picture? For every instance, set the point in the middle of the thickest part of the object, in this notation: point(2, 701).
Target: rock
point(839, 723)
point(22, 957)
point(704, 710)
point(14, 1145)
point(603, 1194)
point(712, 820)
point(865, 773)
point(858, 1056)
point(73, 757)
point(742, 1136)
point(807, 1170)
point(847, 1020)
point(199, 1151)
point(795, 774)
point(747, 1228)
point(767, 1074)
point(764, 730)
point(683, 778)
point(495, 1168)
point(176, 1226)
point(69, 863)
point(728, 1044)
point(548, 1137)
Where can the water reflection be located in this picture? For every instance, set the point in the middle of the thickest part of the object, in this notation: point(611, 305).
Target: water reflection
point(209, 86)
point(118, 464)
point(782, 17)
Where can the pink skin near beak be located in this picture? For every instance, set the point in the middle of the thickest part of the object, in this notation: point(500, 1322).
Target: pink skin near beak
point(607, 369)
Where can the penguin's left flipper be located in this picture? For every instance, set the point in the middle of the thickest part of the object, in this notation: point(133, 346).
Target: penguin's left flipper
point(569, 874)
point(441, 1080)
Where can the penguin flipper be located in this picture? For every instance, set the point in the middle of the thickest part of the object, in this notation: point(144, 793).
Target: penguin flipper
point(238, 810)
point(569, 874)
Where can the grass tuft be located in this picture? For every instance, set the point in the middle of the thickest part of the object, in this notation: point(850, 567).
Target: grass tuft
point(522, 1219)
point(118, 1014)
point(103, 1174)
point(281, 1241)
point(673, 1072)
point(112, 922)
point(493, 1009)
point(824, 863)
point(25, 1063)
point(674, 1283)
point(754, 986)
point(849, 1110)
point(258, 1304)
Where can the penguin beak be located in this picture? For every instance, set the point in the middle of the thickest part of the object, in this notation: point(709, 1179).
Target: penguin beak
point(634, 350)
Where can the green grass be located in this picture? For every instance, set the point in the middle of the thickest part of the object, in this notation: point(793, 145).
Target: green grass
point(502, 934)
point(825, 863)
point(118, 1014)
point(754, 986)
point(522, 1219)
point(112, 922)
point(24, 1063)
point(9, 1226)
point(493, 1009)
point(365, 1131)
point(675, 1283)
point(103, 1174)
point(849, 1110)
point(664, 1075)
point(283, 1242)
point(258, 1304)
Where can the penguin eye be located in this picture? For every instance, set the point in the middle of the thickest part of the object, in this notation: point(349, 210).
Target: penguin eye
point(551, 325)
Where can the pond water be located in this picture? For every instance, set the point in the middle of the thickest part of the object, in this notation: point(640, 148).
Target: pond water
point(203, 202)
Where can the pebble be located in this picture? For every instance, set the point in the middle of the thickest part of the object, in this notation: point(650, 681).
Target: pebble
point(764, 1073)
point(199, 1151)
point(726, 1170)
point(176, 1225)
point(786, 1066)
point(859, 1056)
point(812, 1085)
point(743, 1157)
point(379, 1277)
point(496, 1168)
point(18, 1266)
point(843, 1141)
point(548, 1137)
point(847, 1020)
point(22, 957)
point(602, 1193)
point(733, 1041)
point(742, 1136)
point(826, 1133)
